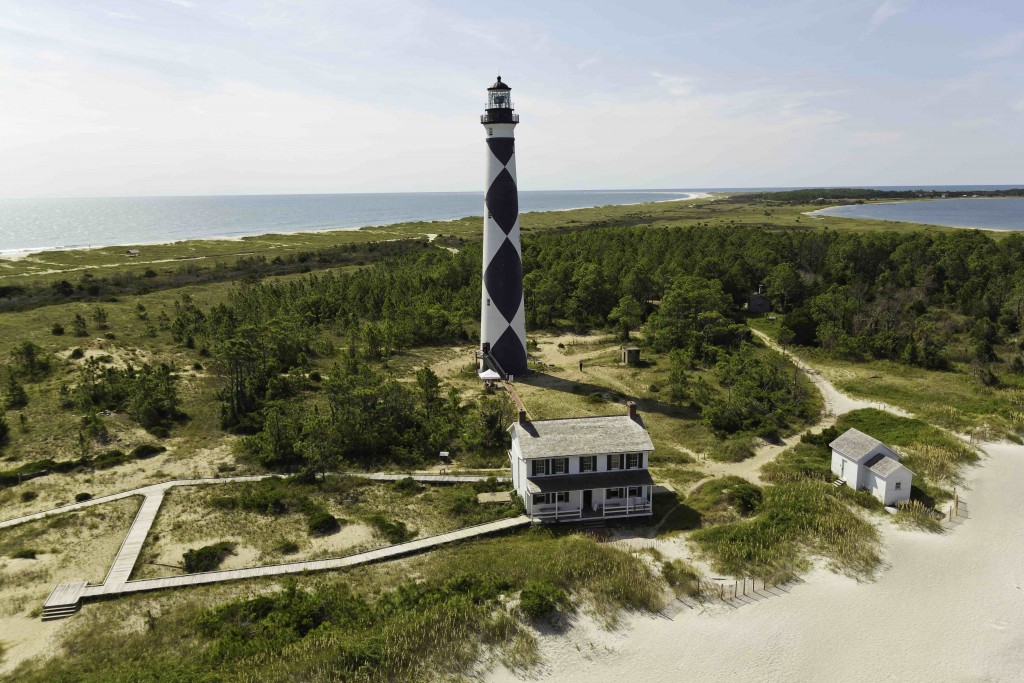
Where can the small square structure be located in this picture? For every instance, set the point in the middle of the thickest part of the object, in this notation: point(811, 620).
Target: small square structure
point(630, 355)
point(864, 463)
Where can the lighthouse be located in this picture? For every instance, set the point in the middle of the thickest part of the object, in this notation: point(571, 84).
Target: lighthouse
point(502, 316)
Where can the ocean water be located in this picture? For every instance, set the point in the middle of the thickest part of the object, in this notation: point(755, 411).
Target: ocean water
point(35, 224)
point(991, 213)
point(39, 224)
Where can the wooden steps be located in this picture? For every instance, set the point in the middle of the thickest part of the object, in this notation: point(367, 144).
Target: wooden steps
point(64, 600)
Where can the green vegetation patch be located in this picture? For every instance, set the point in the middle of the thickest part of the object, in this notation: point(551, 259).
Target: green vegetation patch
point(796, 520)
point(207, 558)
point(436, 628)
point(726, 498)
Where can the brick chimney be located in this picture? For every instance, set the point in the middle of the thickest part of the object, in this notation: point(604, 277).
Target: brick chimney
point(522, 417)
point(631, 408)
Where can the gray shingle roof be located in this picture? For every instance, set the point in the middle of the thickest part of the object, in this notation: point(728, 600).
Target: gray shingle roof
point(581, 436)
point(855, 444)
point(883, 465)
point(588, 480)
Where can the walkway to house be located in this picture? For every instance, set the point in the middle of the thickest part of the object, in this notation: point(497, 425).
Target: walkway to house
point(65, 599)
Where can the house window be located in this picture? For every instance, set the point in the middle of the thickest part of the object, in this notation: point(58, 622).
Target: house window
point(588, 464)
point(632, 461)
point(899, 485)
point(615, 493)
point(615, 461)
point(560, 465)
point(550, 498)
point(540, 467)
point(635, 491)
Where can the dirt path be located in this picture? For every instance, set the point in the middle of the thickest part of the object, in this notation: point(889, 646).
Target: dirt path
point(836, 402)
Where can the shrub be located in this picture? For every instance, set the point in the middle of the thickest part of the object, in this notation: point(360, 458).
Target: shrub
point(322, 523)
point(727, 493)
point(14, 394)
point(207, 558)
point(82, 497)
point(734, 450)
point(681, 577)
point(28, 496)
point(57, 329)
point(108, 459)
point(407, 486)
point(288, 547)
point(25, 554)
point(394, 532)
point(147, 450)
point(541, 598)
point(77, 354)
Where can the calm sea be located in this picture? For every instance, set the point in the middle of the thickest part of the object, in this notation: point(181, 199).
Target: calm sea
point(37, 224)
point(62, 223)
point(992, 213)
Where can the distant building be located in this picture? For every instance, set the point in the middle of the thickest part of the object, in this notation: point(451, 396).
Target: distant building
point(630, 355)
point(865, 463)
point(582, 468)
point(132, 253)
point(759, 301)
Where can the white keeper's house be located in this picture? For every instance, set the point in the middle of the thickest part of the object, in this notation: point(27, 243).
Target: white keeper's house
point(865, 463)
point(582, 468)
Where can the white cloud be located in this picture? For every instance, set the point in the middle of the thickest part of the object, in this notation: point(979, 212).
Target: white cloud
point(677, 86)
point(887, 10)
point(1006, 46)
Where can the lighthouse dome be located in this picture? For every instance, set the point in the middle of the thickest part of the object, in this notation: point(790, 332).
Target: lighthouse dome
point(498, 85)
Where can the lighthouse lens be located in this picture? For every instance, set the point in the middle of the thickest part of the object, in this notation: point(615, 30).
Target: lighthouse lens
point(499, 100)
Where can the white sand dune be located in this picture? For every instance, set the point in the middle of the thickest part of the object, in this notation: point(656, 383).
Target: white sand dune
point(947, 608)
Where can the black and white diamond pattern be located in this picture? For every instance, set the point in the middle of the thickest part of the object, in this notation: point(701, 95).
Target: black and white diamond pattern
point(503, 318)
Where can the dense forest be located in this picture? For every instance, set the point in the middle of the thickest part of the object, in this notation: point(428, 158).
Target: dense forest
point(302, 362)
point(901, 297)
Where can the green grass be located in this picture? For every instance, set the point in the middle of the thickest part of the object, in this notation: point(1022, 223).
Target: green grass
point(459, 611)
point(728, 497)
point(929, 452)
point(936, 457)
point(796, 521)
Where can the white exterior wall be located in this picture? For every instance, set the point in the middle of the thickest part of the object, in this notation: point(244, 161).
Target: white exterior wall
point(891, 495)
point(521, 469)
point(850, 474)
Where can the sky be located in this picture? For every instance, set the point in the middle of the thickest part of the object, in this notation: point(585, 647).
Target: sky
point(183, 97)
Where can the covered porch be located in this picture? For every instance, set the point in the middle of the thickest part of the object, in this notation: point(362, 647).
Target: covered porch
point(595, 495)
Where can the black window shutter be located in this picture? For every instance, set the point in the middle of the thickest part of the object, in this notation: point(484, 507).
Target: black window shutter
point(609, 465)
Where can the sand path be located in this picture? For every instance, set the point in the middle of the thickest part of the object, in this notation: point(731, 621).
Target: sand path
point(948, 608)
point(836, 402)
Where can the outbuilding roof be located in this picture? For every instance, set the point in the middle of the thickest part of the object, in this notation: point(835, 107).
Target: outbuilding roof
point(581, 436)
point(855, 444)
point(883, 465)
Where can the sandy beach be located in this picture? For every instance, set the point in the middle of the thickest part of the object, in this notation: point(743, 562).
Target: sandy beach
point(946, 607)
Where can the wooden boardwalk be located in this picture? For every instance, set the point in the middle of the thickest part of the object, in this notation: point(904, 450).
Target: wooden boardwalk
point(66, 598)
point(388, 553)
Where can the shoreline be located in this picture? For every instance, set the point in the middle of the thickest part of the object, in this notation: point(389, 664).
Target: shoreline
point(818, 214)
point(17, 254)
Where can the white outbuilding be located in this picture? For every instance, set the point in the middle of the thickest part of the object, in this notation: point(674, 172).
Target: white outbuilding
point(864, 463)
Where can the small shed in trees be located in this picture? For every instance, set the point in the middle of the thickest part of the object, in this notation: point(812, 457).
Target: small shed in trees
point(630, 355)
point(759, 301)
point(865, 463)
